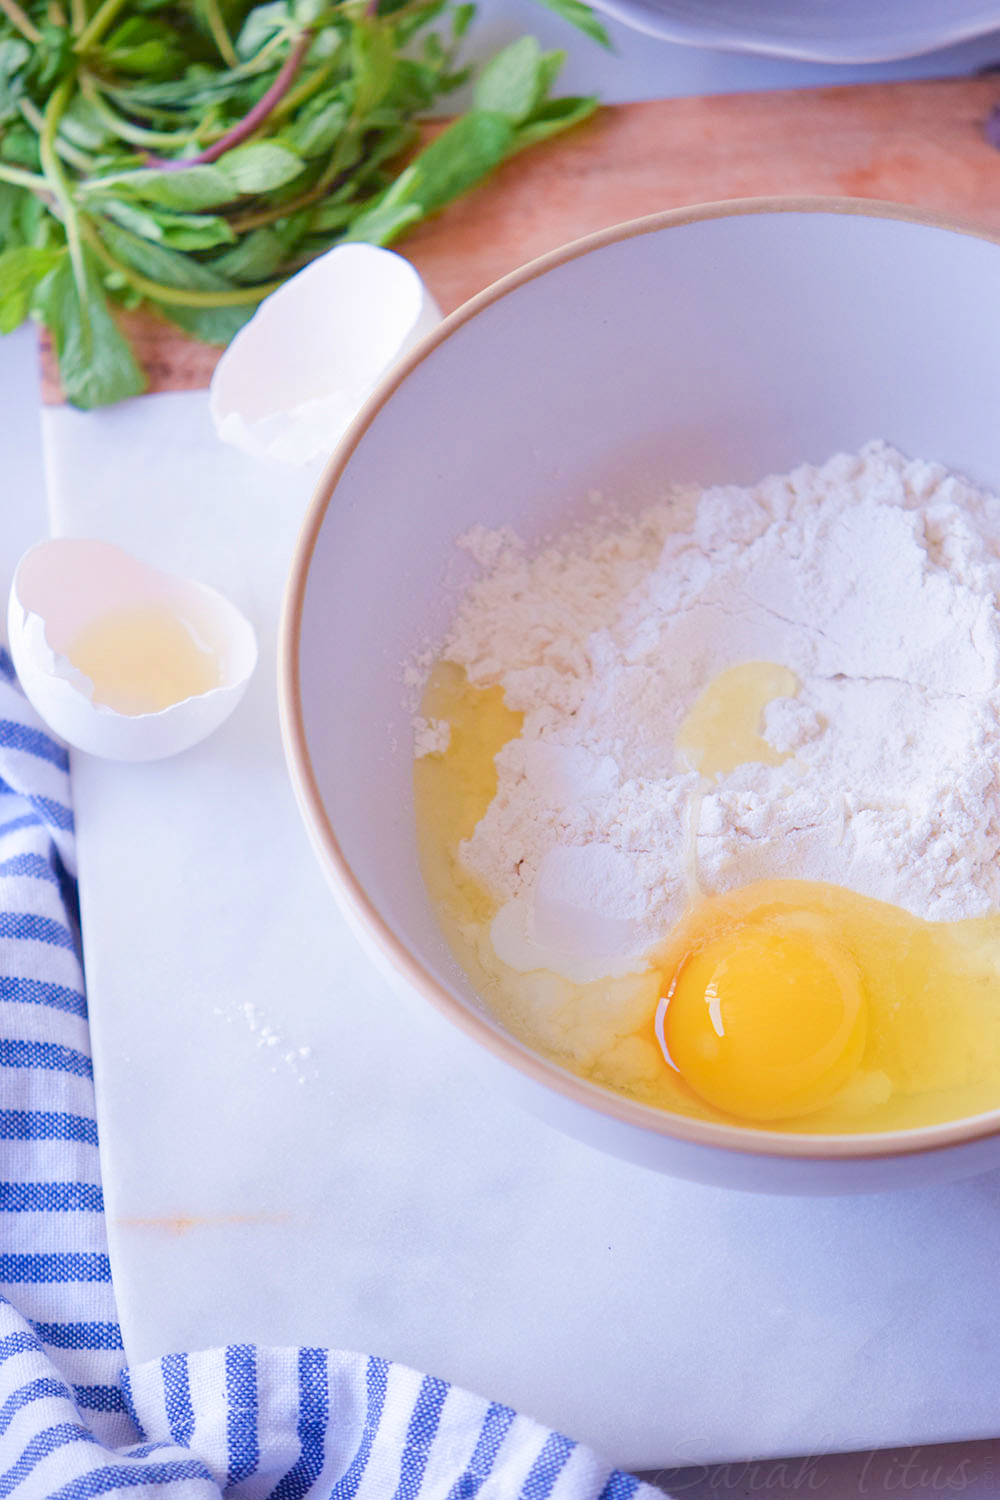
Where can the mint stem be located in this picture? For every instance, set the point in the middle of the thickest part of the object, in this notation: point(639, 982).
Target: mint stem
point(245, 127)
point(21, 20)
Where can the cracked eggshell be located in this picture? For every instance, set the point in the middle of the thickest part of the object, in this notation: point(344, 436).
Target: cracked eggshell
point(295, 376)
point(62, 586)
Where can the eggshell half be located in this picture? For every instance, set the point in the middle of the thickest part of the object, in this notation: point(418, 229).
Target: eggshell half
point(295, 376)
point(60, 587)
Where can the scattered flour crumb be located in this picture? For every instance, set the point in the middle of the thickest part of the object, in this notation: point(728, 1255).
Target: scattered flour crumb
point(430, 736)
point(267, 1035)
point(488, 548)
point(417, 670)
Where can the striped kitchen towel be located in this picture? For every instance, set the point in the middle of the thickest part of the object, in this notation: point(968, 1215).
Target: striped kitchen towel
point(243, 1421)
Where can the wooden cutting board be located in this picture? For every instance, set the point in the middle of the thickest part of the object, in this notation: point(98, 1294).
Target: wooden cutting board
point(919, 143)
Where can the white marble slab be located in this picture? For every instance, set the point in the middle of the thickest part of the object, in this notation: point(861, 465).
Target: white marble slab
point(291, 1157)
point(22, 499)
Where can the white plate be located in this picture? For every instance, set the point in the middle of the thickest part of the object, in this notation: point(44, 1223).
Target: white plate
point(847, 31)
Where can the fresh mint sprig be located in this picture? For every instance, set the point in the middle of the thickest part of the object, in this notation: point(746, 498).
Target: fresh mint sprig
point(191, 154)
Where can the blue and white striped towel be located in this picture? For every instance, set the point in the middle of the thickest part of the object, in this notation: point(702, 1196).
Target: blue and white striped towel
point(243, 1421)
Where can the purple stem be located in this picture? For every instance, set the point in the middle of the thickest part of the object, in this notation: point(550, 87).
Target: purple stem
point(239, 132)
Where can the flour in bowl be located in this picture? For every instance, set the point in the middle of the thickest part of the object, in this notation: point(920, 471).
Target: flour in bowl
point(873, 579)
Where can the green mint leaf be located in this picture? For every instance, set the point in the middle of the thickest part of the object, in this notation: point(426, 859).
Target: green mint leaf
point(140, 220)
point(550, 65)
point(308, 12)
point(326, 44)
point(408, 24)
point(395, 139)
point(259, 167)
point(96, 365)
point(37, 227)
point(319, 126)
point(14, 54)
point(433, 52)
point(512, 82)
point(383, 223)
point(19, 146)
point(448, 82)
point(187, 188)
point(582, 17)
point(51, 57)
point(164, 227)
point(194, 231)
point(212, 325)
point(11, 199)
point(158, 262)
point(83, 126)
point(555, 116)
point(145, 47)
point(179, 231)
point(373, 57)
point(335, 215)
point(198, 88)
point(461, 19)
point(21, 270)
point(415, 86)
point(456, 160)
point(258, 254)
point(263, 22)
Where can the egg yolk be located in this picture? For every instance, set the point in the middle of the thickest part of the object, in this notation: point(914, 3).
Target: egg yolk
point(767, 1020)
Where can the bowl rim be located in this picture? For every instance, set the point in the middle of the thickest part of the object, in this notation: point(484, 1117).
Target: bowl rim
point(479, 1026)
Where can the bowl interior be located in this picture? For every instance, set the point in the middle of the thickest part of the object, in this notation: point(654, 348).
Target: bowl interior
point(716, 346)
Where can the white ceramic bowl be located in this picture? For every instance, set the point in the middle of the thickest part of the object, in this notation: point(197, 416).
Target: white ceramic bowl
point(718, 343)
point(850, 31)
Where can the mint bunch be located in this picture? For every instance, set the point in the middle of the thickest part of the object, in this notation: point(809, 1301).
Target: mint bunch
point(191, 155)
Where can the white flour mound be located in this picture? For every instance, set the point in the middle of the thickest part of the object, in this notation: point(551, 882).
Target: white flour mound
point(873, 578)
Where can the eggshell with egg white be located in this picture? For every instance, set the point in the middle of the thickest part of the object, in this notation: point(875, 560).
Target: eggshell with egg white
point(295, 376)
point(62, 586)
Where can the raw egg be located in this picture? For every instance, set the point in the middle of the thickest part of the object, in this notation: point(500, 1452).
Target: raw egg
point(786, 1005)
point(120, 658)
point(766, 1019)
